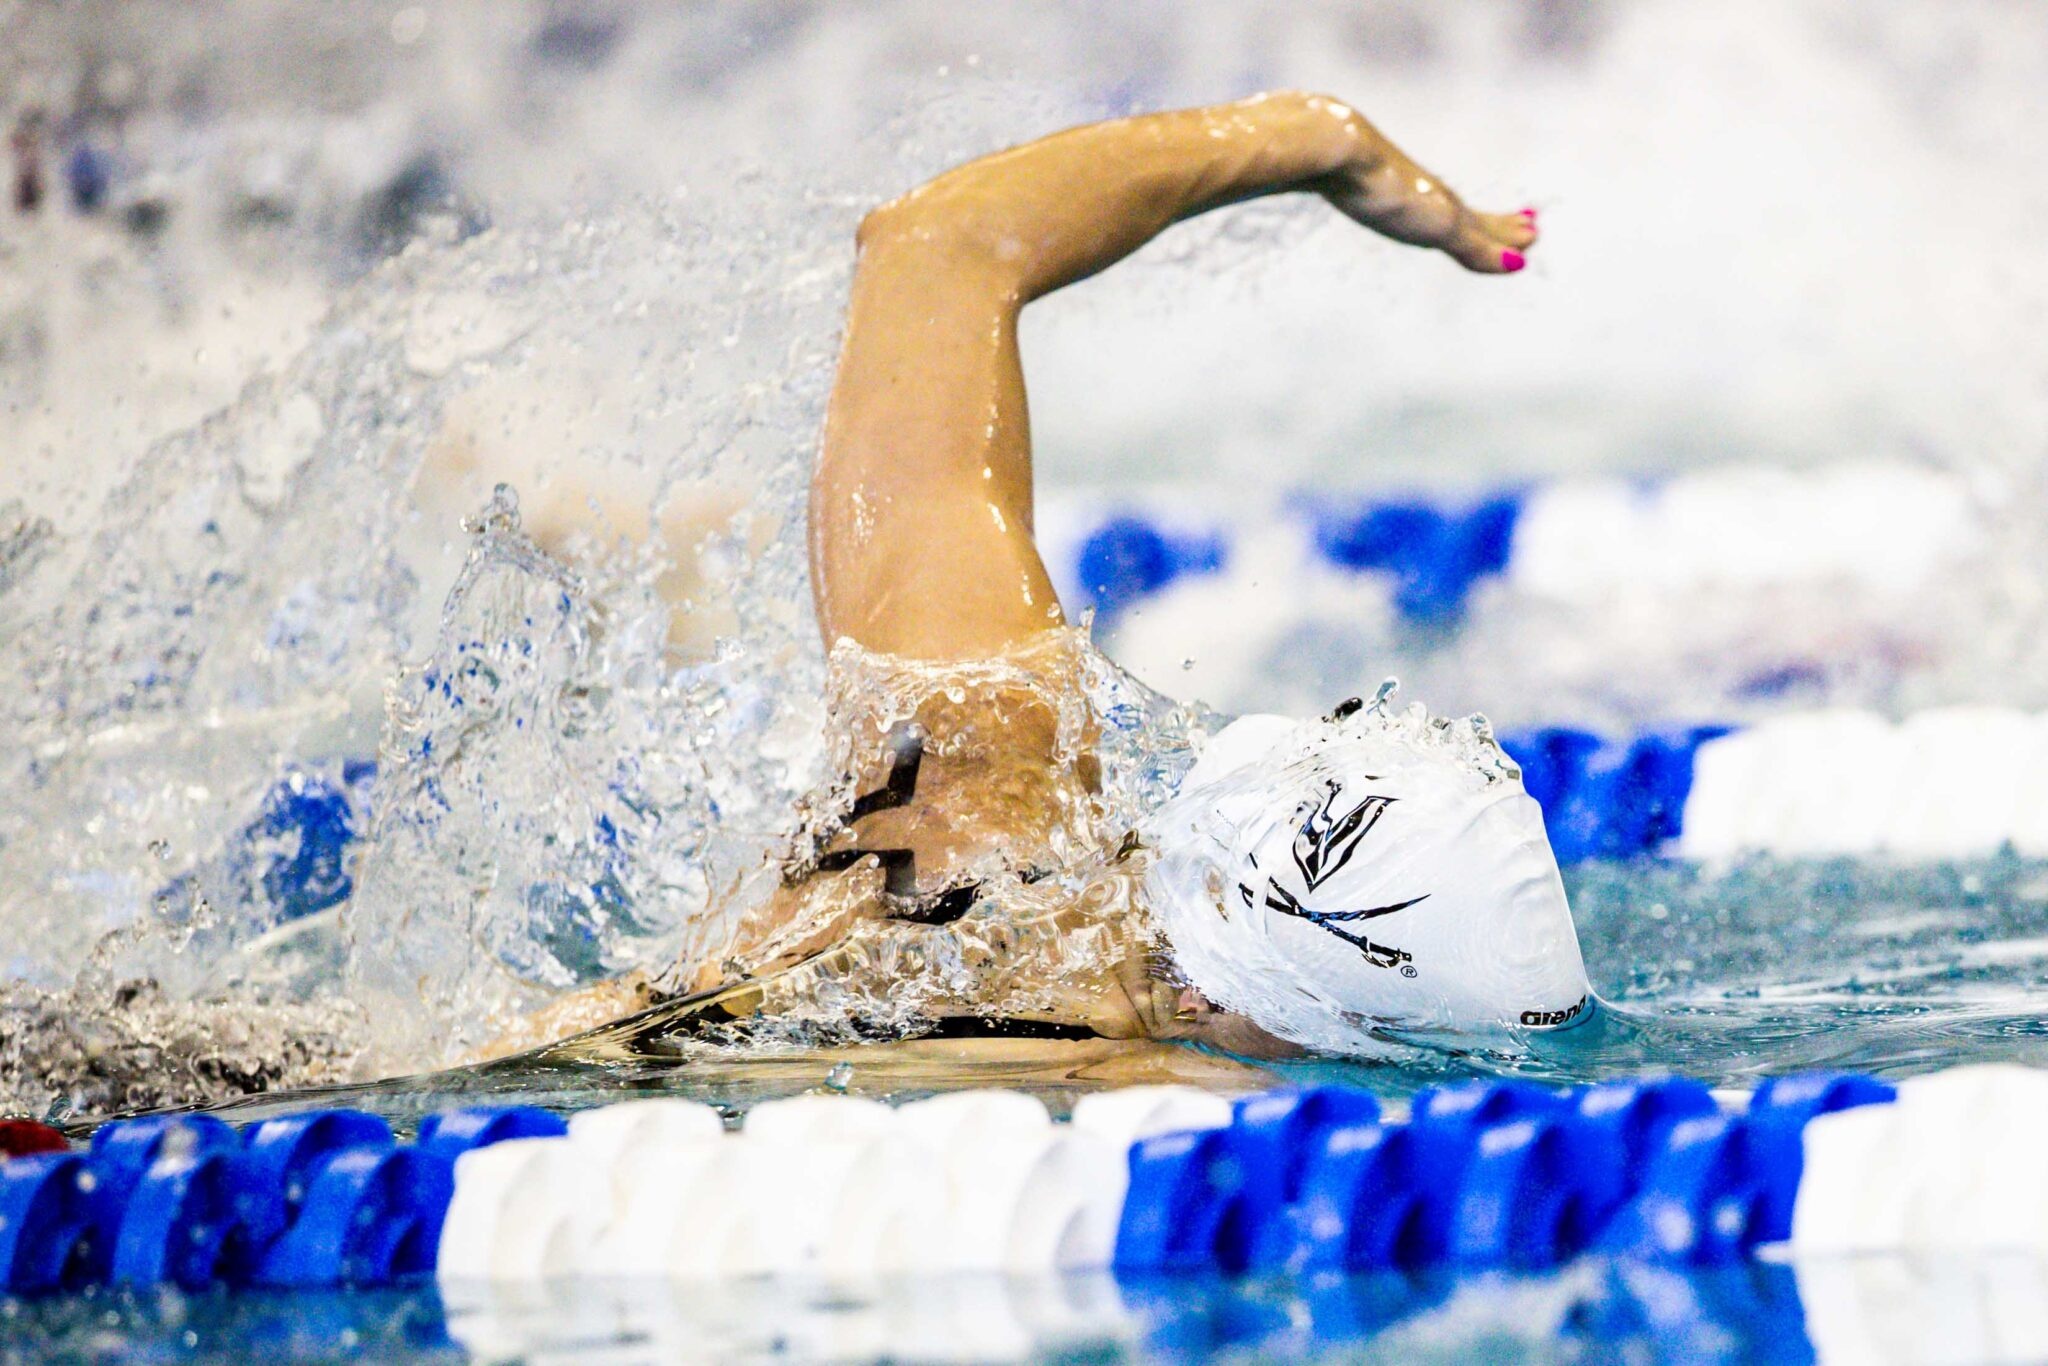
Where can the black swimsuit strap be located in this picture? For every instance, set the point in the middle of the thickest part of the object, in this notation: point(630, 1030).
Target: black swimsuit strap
point(657, 1030)
point(1002, 1027)
point(723, 1013)
point(906, 741)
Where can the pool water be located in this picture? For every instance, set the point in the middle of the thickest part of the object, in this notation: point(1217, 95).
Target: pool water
point(251, 324)
point(1726, 977)
point(1877, 1309)
point(1768, 968)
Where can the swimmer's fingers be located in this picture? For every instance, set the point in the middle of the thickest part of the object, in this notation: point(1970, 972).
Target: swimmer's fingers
point(1517, 230)
point(1196, 1019)
point(1153, 1000)
point(700, 977)
point(1398, 199)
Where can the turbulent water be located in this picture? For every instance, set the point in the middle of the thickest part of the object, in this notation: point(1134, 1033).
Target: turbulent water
point(602, 259)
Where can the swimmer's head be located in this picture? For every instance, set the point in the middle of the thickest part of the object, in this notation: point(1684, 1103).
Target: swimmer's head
point(1373, 870)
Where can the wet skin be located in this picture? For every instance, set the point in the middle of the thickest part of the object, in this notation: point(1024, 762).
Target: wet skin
point(921, 519)
point(921, 506)
point(921, 525)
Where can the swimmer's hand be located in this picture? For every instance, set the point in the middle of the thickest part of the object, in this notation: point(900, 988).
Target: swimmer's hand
point(1146, 1003)
point(1141, 999)
point(571, 1014)
point(1381, 188)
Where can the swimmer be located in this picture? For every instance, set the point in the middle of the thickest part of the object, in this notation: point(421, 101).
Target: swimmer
point(26, 142)
point(1314, 880)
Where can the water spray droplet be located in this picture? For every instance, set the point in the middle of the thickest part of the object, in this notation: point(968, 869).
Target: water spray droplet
point(499, 516)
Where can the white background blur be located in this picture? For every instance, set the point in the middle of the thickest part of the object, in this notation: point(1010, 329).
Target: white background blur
point(1776, 236)
point(1774, 231)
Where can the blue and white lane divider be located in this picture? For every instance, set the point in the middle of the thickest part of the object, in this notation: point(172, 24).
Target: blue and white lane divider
point(324, 1198)
point(1605, 798)
point(1950, 783)
point(1875, 526)
point(1145, 1181)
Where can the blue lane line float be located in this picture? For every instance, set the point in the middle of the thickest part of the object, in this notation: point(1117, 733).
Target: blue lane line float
point(1477, 1176)
point(179, 1218)
point(371, 1217)
point(282, 1159)
point(1433, 554)
point(317, 1199)
point(455, 1132)
point(119, 1164)
point(1218, 1197)
point(1128, 558)
point(1776, 1124)
point(45, 1219)
point(1185, 1203)
point(1605, 798)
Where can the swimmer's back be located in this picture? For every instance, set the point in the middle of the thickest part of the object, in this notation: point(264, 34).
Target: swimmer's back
point(1007, 755)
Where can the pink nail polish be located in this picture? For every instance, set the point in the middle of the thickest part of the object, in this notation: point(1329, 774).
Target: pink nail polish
point(1529, 214)
point(1512, 261)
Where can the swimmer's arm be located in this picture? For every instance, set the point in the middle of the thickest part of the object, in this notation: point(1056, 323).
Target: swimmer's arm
point(1037, 217)
point(1131, 992)
point(1140, 1001)
point(921, 509)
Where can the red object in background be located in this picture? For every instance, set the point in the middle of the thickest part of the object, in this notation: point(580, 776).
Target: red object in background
point(20, 1137)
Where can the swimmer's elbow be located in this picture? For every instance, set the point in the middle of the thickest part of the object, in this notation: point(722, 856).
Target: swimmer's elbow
point(927, 231)
point(873, 224)
point(877, 224)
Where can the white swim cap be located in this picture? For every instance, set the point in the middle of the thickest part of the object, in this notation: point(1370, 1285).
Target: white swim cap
point(1327, 878)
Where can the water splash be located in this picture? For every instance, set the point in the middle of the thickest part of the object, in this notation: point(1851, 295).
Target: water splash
point(101, 1047)
point(1044, 849)
point(231, 614)
point(216, 634)
point(554, 809)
